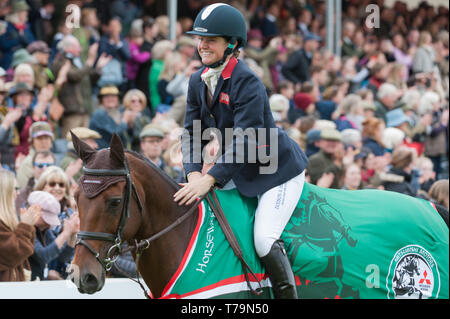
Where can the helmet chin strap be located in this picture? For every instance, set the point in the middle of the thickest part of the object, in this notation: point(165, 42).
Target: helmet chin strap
point(226, 53)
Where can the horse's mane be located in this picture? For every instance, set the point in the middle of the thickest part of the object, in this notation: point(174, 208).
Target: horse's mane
point(155, 168)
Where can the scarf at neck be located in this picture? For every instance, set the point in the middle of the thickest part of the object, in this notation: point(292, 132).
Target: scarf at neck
point(211, 77)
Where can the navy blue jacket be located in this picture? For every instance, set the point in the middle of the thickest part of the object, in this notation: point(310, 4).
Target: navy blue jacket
point(11, 41)
point(239, 102)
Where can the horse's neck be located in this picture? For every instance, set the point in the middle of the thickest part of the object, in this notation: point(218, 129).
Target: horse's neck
point(158, 263)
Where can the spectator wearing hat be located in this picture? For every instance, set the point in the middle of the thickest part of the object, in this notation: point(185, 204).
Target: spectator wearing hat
point(152, 148)
point(56, 182)
point(328, 161)
point(279, 105)
point(265, 57)
point(48, 246)
point(352, 138)
point(397, 118)
point(76, 93)
point(312, 142)
point(43, 75)
point(21, 56)
point(296, 68)
point(41, 139)
point(110, 118)
point(71, 157)
point(16, 236)
point(304, 105)
point(17, 34)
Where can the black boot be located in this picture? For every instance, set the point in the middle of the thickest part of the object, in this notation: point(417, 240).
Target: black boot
point(280, 272)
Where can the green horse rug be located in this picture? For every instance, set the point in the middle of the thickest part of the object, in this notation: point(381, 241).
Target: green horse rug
point(367, 244)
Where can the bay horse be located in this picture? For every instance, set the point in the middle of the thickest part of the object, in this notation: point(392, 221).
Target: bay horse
point(103, 211)
point(341, 244)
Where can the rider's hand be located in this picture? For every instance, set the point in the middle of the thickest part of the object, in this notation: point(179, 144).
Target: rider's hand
point(194, 189)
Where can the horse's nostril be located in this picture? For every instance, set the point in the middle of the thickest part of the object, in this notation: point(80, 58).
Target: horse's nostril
point(90, 282)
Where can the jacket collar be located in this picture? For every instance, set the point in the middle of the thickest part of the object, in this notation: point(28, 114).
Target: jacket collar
point(226, 73)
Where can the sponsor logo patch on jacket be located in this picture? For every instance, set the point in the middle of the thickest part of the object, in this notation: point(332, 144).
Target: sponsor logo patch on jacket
point(224, 98)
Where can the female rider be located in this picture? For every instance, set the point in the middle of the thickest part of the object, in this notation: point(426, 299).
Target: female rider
point(226, 95)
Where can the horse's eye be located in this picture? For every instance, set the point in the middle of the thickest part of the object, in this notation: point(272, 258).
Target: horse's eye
point(114, 203)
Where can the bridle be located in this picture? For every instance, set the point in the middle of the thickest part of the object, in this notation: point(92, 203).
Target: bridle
point(116, 238)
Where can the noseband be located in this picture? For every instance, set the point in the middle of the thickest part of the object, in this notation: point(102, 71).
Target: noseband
point(116, 238)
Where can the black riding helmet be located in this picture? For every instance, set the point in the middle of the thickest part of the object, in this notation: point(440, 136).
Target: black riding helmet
point(221, 20)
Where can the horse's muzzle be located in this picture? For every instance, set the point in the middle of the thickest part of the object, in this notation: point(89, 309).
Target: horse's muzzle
point(89, 283)
point(86, 280)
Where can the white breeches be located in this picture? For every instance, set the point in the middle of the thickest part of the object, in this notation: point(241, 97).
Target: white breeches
point(275, 208)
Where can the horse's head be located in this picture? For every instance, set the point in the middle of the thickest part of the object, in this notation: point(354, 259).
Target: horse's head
point(107, 197)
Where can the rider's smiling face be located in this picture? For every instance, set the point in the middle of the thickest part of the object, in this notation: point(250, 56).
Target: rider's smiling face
point(211, 49)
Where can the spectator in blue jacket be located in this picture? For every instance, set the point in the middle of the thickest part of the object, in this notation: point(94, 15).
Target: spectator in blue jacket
point(17, 34)
point(110, 118)
point(49, 246)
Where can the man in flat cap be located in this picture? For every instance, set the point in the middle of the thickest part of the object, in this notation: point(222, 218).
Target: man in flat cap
point(152, 148)
point(40, 51)
point(325, 167)
point(41, 139)
point(71, 162)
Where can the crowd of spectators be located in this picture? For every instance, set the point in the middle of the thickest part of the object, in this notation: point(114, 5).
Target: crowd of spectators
point(374, 117)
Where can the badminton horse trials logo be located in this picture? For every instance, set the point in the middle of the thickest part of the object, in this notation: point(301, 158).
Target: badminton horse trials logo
point(413, 274)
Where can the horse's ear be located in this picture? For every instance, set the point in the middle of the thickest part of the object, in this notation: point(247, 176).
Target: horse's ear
point(83, 149)
point(116, 149)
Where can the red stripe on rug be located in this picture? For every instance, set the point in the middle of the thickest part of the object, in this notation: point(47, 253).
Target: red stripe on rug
point(224, 282)
point(187, 252)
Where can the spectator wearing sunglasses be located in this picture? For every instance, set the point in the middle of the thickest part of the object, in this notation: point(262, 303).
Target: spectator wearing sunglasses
point(41, 160)
point(51, 248)
point(56, 182)
point(41, 139)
